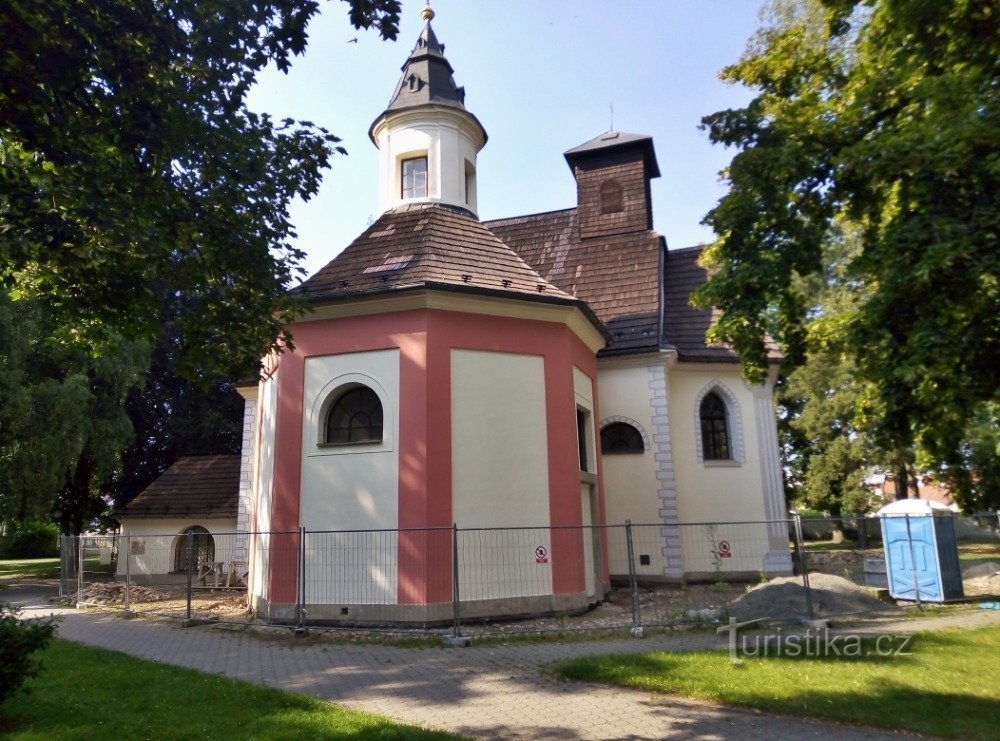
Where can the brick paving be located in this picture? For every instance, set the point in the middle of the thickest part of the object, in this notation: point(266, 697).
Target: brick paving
point(488, 691)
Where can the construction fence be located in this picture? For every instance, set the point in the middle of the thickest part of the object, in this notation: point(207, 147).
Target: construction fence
point(660, 575)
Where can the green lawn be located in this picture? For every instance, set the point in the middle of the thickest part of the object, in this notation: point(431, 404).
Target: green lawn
point(29, 568)
point(87, 693)
point(972, 554)
point(947, 687)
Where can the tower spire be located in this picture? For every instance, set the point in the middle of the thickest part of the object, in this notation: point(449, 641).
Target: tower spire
point(427, 139)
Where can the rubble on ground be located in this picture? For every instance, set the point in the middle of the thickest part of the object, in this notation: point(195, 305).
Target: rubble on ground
point(113, 593)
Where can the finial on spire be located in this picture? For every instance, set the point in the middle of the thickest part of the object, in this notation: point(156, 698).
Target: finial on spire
point(427, 14)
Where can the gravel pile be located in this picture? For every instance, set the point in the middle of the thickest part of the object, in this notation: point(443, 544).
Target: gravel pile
point(784, 598)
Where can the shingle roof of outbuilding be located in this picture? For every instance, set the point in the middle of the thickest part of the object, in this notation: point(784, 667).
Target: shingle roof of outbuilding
point(195, 485)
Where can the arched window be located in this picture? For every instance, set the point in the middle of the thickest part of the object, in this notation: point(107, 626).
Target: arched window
point(611, 197)
point(714, 428)
point(620, 437)
point(201, 547)
point(354, 417)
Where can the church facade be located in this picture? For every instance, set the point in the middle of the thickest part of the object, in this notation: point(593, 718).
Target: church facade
point(543, 372)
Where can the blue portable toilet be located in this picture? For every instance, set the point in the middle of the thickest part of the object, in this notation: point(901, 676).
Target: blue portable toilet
point(921, 551)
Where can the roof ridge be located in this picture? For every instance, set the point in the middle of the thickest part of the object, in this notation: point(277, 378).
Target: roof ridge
point(528, 216)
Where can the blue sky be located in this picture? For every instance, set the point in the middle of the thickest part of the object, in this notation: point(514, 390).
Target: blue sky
point(542, 76)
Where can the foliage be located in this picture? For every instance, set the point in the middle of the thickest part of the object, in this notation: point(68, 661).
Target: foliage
point(33, 540)
point(174, 416)
point(18, 640)
point(131, 166)
point(946, 687)
point(132, 172)
point(883, 114)
point(826, 404)
point(61, 416)
point(178, 703)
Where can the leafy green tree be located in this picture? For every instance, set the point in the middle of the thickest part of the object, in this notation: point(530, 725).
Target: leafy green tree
point(884, 113)
point(132, 172)
point(62, 421)
point(825, 398)
point(129, 160)
point(174, 416)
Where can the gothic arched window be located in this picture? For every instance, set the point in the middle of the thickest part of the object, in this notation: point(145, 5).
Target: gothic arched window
point(715, 443)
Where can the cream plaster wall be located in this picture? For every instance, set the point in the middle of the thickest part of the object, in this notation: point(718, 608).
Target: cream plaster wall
point(629, 480)
point(260, 541)
point(350, 487)
point(447, 139)
point(710, 492)
point(152, 543)
point(500, 472)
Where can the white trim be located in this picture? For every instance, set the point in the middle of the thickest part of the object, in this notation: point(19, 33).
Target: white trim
point(734, 420)
point(779, 558)
point(663, 454)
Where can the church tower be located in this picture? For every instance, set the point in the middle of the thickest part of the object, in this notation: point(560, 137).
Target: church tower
point(427, 140)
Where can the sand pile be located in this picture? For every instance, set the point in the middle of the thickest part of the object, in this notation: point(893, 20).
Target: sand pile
point(785, 598)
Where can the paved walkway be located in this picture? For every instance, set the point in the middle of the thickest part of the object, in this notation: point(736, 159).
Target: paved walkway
point(480, 691)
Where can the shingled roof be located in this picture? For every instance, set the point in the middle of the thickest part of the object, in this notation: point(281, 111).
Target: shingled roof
point(195, 485)
point(616, 140)
point(618, 275)
point(427, 79)
point(431, 245)
point(684, 326)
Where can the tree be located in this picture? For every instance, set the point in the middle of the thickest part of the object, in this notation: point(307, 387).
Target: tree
point(826, 402)
point(885, 114)
point(129, 160)
point(174, 416)
point(132, 173)
point(62, 422)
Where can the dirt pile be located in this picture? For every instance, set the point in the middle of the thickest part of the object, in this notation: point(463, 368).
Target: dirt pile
point(784, 598)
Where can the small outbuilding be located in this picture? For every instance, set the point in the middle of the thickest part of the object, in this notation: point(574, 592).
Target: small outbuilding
point(197, 495)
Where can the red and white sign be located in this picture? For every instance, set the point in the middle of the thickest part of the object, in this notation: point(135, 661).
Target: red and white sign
point(541, 554)
point(725, 550)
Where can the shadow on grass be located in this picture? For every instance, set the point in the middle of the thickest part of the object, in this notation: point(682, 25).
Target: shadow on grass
point(87, 692)
point(947, 686)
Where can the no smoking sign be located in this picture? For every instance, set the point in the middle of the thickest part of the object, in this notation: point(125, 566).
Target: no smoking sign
point(541, 554)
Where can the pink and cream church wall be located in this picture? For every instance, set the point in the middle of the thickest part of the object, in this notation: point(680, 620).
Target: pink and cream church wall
point(480, 417)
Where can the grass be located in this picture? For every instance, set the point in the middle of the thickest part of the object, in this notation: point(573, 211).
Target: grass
point(971, 554)
point(948, 686)
point(43, 568)
point(86, 693)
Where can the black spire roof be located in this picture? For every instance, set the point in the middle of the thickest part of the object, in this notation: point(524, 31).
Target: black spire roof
point(427, 78)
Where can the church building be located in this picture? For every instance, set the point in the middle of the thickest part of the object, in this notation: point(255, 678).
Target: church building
point(543, 372)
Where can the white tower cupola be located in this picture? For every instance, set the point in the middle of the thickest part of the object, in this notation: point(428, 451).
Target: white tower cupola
point(427, 140)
